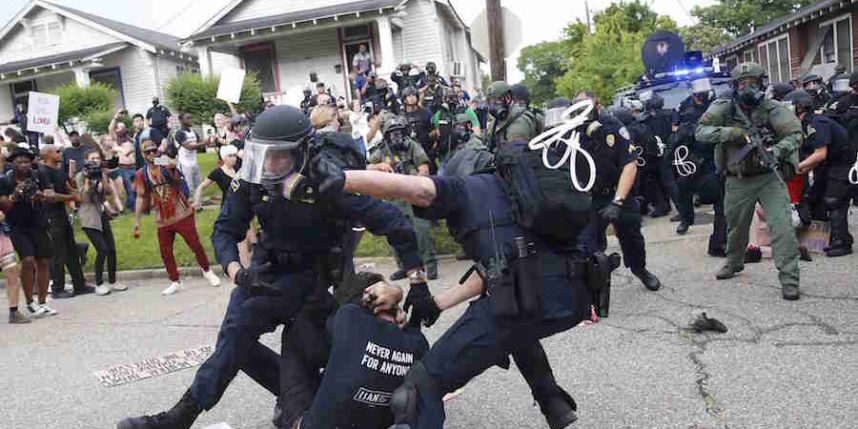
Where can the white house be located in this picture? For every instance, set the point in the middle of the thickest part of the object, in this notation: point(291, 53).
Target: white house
point(285, 40)
point(47, 45)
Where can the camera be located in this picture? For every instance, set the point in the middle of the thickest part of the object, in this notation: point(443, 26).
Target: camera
point(29, 188)
point(92, 170)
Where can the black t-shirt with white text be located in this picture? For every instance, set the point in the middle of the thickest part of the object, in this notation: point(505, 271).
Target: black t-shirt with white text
point(368, 361)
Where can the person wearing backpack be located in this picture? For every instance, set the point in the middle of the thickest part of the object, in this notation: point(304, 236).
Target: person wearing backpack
point(608, 141)
point(164, 188)
point(470, 154)
point(510, 121)
point(531, 279)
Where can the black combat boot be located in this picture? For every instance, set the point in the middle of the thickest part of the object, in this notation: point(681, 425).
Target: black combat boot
point(181, 416)
point(790, 293)
point(682, 228)
point(649, 280)
point(559, 410)
point(841, 241)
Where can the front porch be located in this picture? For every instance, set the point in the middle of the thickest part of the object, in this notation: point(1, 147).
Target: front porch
point(283, 56)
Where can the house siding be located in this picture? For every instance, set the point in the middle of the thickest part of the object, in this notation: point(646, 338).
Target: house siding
point(6, 112)
point(251, 9)
point(75, 36)
point(138, 77)
point(299, 54)
point(420, 33)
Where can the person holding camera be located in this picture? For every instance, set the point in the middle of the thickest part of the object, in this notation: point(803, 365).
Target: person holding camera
point(21, 197)
point(93, 184)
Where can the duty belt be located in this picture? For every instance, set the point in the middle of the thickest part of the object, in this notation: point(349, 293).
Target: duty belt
point(572, 266)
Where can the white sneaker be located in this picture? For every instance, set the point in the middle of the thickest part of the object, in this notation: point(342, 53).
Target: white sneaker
point(173, 288)
point(213, 279)
point(102, 290)
point(36, 310)
point(48, 310)
point(119, 287)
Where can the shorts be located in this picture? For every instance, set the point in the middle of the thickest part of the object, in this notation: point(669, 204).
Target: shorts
point(7, 252)
point(31, 242)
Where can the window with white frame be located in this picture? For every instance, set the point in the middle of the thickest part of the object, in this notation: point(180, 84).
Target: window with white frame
point(775, 58)
point(47, 33)
point(837, 45)
point(748, 56)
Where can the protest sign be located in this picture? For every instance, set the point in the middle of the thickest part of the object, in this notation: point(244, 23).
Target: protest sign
point(42, 112)
point(231, 80)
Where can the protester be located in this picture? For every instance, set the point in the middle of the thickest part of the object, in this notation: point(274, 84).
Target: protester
point(66, 253)
point(73, 156)
point(362, 60)
point(125, 152)
point(164, 188)
point(94, 187)
point(189, 141)
point(9, 266)
point(22, 195)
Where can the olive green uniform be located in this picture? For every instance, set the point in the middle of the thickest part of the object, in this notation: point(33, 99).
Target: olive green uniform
point(722, 127)
point(519, 124)
point(406, 162)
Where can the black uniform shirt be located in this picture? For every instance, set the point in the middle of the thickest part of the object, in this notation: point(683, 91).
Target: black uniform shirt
point(825, 131)
point(24, 213)
point(368, 361)
point(608, 143)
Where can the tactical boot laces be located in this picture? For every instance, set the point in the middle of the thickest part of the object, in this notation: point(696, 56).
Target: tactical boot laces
point(790, 293)
point(181, 416)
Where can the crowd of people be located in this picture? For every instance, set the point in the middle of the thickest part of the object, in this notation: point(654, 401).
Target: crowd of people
point(527, 193)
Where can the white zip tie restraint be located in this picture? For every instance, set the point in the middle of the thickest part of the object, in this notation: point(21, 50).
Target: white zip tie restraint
point(684, 167)
point(661, 146)
point(557, 135)
point(853, 173)
point(641, 161)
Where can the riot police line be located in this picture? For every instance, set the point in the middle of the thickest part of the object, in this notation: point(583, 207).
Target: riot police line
point(529, 201)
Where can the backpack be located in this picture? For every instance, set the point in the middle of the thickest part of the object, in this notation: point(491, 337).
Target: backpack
point(169, 179)
point(339, 148)
point(468, 160)
point(544, 200)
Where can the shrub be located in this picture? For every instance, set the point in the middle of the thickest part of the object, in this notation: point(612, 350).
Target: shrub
point(193, 93)
point(91, 105)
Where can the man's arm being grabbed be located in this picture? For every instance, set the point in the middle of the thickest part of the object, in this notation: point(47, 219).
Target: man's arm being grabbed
point(416, 190)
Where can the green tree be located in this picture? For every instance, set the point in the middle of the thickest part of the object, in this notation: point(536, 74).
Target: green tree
point(542, 64)
point(197, 95)
point(738, 17)
point(703, 37)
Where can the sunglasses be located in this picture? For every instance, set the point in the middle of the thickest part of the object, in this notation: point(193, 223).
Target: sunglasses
point(150, 151)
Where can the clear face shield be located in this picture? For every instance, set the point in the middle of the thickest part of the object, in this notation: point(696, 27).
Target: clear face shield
point(270, 161)
point(841, 86)
point(701, 86)
point(553, 117)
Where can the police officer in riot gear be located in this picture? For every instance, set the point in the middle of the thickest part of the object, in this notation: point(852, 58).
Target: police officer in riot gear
point(398, 153)
point(521, 95)
point(779, 90)
point(470, 155)
point(694, 164)
point(432, 93)
point(812, 83)
point(420, 124)
point(831, 153)
point(657, 171)
point(756, 144)
point(509, 121)
point(298, 255)
point(479, 213)
point(616, 169)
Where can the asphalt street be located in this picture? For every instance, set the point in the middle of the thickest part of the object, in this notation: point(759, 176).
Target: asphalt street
point(781, 365)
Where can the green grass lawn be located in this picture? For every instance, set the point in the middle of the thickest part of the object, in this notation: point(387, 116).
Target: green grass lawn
point(144, 253)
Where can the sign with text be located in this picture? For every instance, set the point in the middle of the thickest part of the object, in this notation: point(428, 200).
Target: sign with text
point(231, 80)
point(153, 367)
point(42, 112)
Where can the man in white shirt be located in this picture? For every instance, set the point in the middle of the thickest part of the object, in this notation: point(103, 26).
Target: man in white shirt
point(362, 60)
point(189, 141)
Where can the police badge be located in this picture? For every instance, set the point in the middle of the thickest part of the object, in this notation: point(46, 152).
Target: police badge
point(610, 140)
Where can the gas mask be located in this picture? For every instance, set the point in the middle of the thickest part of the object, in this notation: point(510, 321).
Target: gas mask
point(462, 134)
point(396, 140)
point(750, 96)
point(812, 88)
point(497, 108)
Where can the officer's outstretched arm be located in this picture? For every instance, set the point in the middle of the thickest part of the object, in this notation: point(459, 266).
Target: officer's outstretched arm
point(471, 288)
point(416, 190)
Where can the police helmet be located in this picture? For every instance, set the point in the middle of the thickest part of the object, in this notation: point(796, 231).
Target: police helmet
point(780, 90)
point(520, 92)
point(656, 102)
point(623, 114)
point(393, 123)
point(276, 146)
point(749, 69)
point(461, 118)
point(431, 68)
point(498, 89)
point(554, 113)
point(809, 78)
point(801, 98)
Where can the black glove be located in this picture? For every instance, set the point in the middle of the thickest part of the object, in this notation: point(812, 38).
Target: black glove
point(612, 212)
point(329, 176)
point(252, 280)
point(425, 308)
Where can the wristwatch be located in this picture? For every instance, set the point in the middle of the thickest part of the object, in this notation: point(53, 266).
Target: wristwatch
point(618, 200)
point(417, 276)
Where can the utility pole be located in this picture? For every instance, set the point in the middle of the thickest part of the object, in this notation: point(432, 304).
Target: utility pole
point(587, 15)
point(496, 48)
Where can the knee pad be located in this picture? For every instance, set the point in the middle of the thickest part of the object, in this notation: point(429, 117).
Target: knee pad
point(403, 402)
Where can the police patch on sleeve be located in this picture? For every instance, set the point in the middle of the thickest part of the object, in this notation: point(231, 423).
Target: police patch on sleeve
point(610, 140)
point(624, 133)
point(234, 185)
point(632, 148)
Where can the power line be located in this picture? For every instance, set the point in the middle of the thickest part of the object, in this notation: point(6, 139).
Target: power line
point(685, 9)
